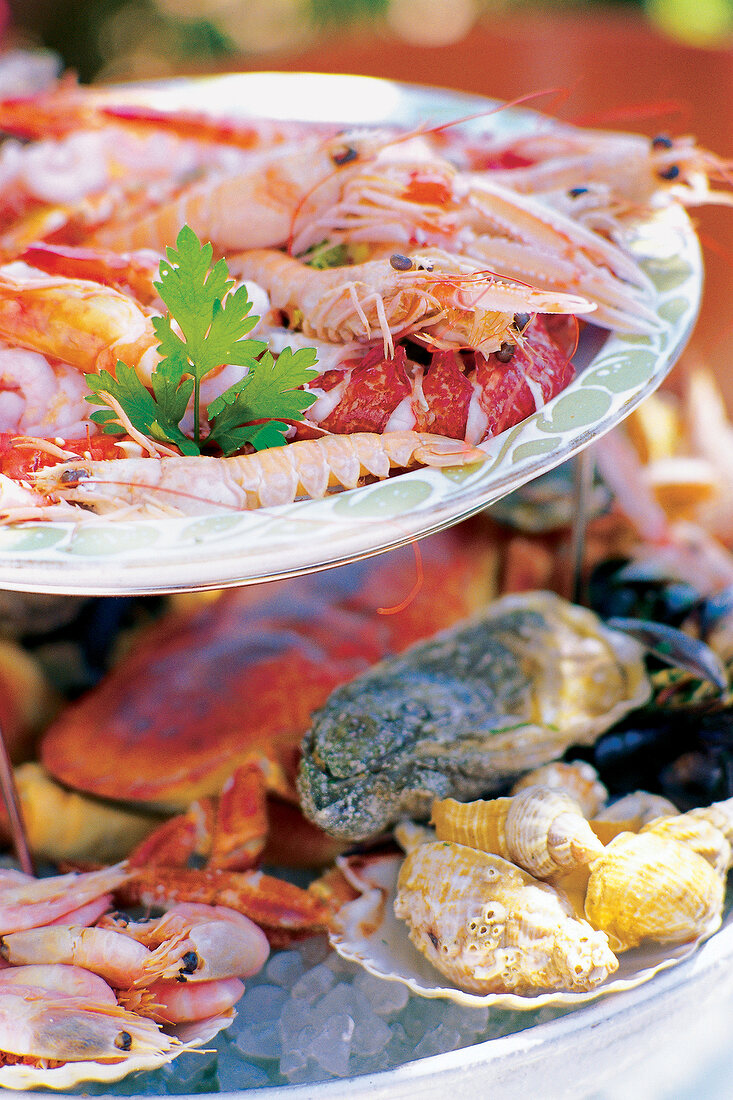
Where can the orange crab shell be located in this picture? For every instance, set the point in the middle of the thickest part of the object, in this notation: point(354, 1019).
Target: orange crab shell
point(233, 681)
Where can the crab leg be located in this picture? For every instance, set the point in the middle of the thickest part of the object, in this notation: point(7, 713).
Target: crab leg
point(283, 911)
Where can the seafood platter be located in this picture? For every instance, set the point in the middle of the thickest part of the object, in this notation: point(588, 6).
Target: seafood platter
point(420, 818)
point(467, 244)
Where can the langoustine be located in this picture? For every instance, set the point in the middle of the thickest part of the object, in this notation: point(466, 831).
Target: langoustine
point(306, 468)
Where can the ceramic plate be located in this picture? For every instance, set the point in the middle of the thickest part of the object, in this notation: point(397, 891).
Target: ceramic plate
point(616, 373)
point(370, 934)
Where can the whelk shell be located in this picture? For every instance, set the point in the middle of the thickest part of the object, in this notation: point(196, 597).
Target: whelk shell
point(646, 886)
point(579, 778)
point(541, 829)
point(697, 833)
point(490, 927)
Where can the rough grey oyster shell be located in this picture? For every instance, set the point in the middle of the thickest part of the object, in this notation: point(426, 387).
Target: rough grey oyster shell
point(464, 712)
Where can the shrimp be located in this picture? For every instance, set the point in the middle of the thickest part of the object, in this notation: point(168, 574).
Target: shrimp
point(443, 299)
point(85, 324)
point(473, 215)
point(129, 272)
point(280, 475)
point(67, 107)
point(27, 902)
point(225, 943)
point(36, 1022)
point(250, 205)
point(633, 172)
point(119, 959)
point(59, 978)
point(170, 1002)
point(38, 398)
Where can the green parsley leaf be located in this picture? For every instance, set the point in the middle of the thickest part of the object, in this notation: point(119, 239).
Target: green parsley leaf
point(270, 391)
point(205, 328)
point(156, 415)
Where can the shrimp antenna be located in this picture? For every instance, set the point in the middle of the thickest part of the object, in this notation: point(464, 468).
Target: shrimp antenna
point(561, 94)
point(411, 595)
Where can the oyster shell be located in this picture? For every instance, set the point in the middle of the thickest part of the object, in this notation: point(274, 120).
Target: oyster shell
point(459, 715)
point(491, 928)
point(646, 886)
point(541, 829)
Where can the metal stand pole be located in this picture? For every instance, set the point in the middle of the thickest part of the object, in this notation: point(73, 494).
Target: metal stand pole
point(582, 490)
point(12, 804)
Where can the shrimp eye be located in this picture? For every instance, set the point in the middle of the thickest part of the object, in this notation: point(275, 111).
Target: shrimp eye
point(72, 477)
point(505, 352)
point(574, 192)
point(190, 962)
point(662, 141)
point(400, 262)
point(670, 173)
point(345, 155)
point(521, 320)
point(124, 1040)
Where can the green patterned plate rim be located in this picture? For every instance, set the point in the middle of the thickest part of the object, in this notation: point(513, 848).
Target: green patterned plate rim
point(103, 557)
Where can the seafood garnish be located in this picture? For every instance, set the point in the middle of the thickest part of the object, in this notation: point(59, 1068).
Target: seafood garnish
point(492, 928)
point(650, 885)
point(465, 712)
point(188, 485)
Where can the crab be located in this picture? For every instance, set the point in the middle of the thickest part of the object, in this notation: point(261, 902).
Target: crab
point(203, 719)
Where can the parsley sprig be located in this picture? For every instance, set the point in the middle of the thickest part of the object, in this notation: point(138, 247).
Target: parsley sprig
point(206, 326)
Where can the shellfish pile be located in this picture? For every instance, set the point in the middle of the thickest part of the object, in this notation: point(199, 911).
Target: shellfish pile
point(521, 895)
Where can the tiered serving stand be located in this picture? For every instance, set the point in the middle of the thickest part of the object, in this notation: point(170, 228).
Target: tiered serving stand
point(575, 1055)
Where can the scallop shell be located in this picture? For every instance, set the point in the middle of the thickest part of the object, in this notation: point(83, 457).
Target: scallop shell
point(367, 932)
point(490, 927)
point(645, 886)
point(541, 829)
point(580, 780)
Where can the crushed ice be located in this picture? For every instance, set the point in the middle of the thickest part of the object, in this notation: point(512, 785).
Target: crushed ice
point(311, 1016)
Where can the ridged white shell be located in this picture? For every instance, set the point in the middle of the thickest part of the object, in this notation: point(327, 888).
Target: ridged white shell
point(491, 928)
point(637, 808)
